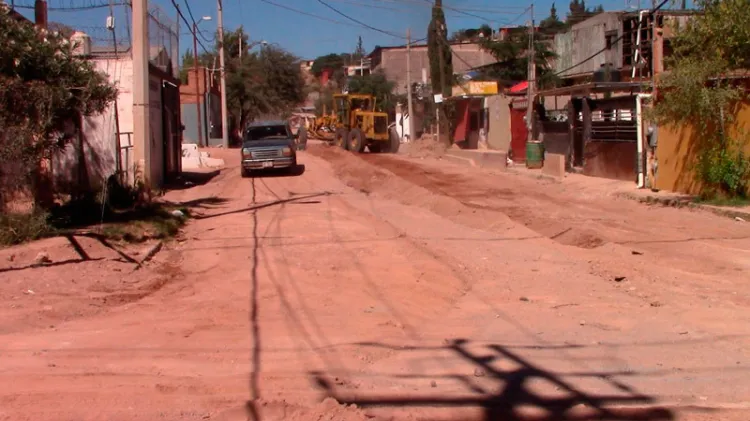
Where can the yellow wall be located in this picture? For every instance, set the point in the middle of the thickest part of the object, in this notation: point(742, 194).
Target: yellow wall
point(676, 154)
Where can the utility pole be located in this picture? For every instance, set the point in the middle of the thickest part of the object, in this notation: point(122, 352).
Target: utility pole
point(141, 123)
point(531, 91)
point(197, 85)
point(442, 77)
point(40, 13)
point(409, 85)
point(223, 74)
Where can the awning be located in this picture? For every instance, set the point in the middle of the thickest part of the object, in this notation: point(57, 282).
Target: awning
point(519, 88)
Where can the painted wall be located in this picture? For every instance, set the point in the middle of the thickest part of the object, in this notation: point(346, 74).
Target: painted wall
point(676, 154)
point(96, 148)
point(498, 137)
point(393, 62)
point(586, 38)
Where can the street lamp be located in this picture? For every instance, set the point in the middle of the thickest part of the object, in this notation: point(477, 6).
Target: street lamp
point(197, 85)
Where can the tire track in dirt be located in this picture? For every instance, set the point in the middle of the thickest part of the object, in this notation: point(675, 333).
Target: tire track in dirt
point(395, 179)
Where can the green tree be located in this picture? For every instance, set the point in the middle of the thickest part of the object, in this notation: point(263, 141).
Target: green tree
point(359, 52)
point(441, 63)
point(45, 91)
point(269, 82)
point(512, 57)
point(377, 85)
point(696, 92)
point(579, 12)
point(439, 52)
point(552, 24)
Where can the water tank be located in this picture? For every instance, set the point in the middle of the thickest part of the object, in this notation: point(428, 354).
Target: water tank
point(81, 43)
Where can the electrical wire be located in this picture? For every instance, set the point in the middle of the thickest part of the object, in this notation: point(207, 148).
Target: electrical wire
point(195, 23)
point(312, 15)
point(360, 22)
point(184, 19)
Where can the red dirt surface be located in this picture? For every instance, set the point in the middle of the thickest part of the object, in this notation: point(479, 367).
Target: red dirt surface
point(383, 287)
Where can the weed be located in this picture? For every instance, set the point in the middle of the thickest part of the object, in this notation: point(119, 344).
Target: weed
point(18, 228)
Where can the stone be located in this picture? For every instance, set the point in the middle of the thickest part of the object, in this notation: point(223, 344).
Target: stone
point(42, 258)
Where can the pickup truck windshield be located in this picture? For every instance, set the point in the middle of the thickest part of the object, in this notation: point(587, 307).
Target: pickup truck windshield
point(266, 132)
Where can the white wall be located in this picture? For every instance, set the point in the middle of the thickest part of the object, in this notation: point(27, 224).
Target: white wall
point(97, 145)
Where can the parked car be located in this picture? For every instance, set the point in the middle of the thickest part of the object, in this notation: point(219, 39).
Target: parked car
point(268, 145)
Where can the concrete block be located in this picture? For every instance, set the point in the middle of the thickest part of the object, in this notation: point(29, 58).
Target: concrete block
point(486, 159)
point(554, 165)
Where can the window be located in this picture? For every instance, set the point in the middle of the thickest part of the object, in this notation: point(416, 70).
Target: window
point(266, 132)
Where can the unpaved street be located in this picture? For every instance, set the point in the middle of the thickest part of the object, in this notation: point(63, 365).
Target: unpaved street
point(389, 287)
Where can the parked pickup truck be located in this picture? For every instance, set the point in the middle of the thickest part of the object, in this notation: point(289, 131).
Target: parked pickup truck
point(268, 145)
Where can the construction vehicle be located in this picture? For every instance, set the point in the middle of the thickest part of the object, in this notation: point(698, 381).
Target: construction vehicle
point(355, 125)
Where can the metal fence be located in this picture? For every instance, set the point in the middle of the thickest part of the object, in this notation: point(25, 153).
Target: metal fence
point(112, 33)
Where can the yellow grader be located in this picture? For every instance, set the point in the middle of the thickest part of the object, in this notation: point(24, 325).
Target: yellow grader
point(354, 124)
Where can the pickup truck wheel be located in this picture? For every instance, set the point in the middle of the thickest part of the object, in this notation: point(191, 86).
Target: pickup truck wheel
point(340, 138)
point(394, 141)
point(356, 141)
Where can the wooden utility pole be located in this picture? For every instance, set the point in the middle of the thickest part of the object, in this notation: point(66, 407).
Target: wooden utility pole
point(409, 89)
point(141, 124)
point(197, 85)
point(531, 91)
point(40, 14)
point(223, 74)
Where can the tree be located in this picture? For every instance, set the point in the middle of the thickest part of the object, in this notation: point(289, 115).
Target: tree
point(579, 12)
point(696, 92)
point(441, 60)
point(552, 24)
point(377, 85)
point(45, 91)
point(512, 58)
point(359, 52)
point(265, 83)
point(439, 52)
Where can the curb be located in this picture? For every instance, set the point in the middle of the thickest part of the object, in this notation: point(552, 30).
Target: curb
point(682, 203)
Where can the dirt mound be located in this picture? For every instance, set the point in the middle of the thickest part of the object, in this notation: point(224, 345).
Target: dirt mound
point(423, 147)
point(451, 196)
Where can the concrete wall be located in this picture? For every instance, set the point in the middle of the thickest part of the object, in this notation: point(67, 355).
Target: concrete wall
point(499, 118)
point(393, 62)
point(586, 38)
point(677, 152)
point(96, 149)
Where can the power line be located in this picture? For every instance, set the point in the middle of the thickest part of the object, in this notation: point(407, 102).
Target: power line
point(360, 22)
point(90, 5)
point(184, 19)
point(312, 15)
point(195, 22)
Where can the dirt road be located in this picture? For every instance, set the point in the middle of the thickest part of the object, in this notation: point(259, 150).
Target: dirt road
point(374, 287)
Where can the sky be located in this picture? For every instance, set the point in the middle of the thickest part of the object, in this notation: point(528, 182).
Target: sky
point(309, 37)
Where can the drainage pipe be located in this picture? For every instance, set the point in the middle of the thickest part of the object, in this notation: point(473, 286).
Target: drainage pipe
point(638, 56)
point(639, 133)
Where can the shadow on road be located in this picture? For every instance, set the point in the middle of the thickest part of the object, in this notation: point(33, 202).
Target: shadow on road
point(190, 179)
point(281, 172)
point(510, 396)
